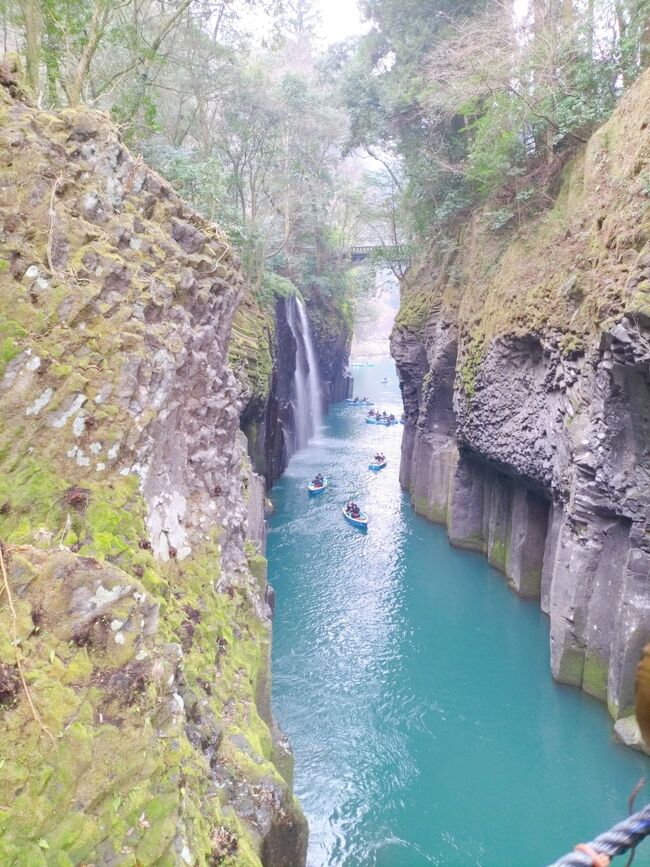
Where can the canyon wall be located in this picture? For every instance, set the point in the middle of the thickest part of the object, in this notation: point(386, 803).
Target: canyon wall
point(524, 362)
point(263, 355)
point(135, 622)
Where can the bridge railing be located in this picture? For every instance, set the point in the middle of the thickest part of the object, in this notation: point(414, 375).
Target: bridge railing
point(364, 251)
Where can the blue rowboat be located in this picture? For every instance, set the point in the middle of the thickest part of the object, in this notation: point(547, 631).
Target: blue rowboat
point(371, 421)
point(311, 487)
point(380, 466)
point(361, 522)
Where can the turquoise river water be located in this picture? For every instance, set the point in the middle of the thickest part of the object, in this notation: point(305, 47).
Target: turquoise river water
point(415, 687)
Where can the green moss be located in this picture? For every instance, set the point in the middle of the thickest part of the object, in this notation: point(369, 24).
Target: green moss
point(415, 308)
point(571, 667)
point(33, 497)
point(12, 332)
point(120, 782)
point(594, 677)
point(470, 365)
point(571, 344)
point(124, 782)
point(499, 554)
point(250, 353)
point(434, 513)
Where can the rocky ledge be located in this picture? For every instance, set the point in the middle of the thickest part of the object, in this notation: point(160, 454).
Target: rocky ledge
point(134, 622)
point(526, 384)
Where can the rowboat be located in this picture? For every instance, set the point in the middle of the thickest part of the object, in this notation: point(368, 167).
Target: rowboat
point(313, 489)
point(374, 466)
point(361, 522)
point(358, 402)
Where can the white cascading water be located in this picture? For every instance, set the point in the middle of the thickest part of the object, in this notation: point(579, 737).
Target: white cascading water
point(308, 409)
point(313, 378)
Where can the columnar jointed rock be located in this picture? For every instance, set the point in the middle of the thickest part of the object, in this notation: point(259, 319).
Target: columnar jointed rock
point(131, 523)
point(525, 378)
point(264, 355)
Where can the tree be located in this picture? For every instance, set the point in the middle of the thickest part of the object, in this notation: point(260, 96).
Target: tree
point(478, 104)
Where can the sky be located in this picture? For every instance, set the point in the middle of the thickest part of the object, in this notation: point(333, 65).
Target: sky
point(340, 19)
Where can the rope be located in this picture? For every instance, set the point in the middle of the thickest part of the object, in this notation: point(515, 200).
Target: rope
point(626, 835)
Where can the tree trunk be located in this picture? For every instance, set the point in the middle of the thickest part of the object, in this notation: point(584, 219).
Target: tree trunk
point(95, 32)
point(51, 53)
point(33, 23)
point(645, 41)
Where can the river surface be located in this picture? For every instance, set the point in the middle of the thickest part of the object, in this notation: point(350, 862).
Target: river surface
point(415, 687)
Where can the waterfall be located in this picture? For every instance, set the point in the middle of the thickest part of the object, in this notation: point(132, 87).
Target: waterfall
point(308, 407)
point(313, 379)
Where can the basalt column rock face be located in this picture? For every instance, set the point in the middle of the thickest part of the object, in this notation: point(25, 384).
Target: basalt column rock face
point(265, 362)
point(526, 386)
point(135, 653)
point(263, 354)
point(332, 336)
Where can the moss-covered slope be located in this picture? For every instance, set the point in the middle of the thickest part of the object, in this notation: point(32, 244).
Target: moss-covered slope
point(133, 601)
point(573, 268)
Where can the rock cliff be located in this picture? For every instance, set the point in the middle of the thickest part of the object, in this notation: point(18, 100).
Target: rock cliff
point(263, 355)
point(332, 333)
point(524, 361)
point(134, 622)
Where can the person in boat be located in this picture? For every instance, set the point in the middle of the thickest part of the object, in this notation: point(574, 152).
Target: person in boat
point(384, 414)
point(352, 509)
point(391, 417)
point(371, 413)
point(317, 481)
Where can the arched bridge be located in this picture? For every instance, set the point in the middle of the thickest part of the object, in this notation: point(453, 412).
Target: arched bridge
point(361, 252)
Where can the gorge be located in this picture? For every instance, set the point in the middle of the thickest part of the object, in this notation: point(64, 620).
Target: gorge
point(206, 208)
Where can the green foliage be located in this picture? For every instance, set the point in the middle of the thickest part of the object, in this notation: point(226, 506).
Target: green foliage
point(272, 287)
point(475, 104)
point(134, 102)
point(499, 218)
point(496, 148)
point(201, 181)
